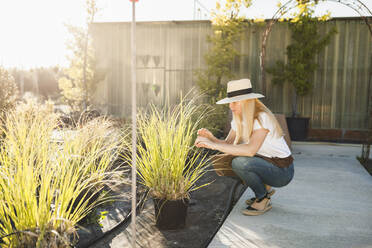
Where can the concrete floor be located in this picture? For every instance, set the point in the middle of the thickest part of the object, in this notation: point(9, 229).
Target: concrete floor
point(328, 204)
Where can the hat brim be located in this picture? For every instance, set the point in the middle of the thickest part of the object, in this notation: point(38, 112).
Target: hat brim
point(239, 98)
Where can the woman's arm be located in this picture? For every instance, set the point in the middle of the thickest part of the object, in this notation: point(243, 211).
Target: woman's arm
point(250, 149)
point(203, 132)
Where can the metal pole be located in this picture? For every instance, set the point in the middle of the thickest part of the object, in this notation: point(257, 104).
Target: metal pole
point(134, 123)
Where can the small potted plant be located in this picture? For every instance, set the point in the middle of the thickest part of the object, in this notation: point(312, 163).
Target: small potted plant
point(167, 162)
point(300, 66)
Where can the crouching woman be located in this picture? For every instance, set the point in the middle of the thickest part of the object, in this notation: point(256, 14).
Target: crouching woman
point(262, 158)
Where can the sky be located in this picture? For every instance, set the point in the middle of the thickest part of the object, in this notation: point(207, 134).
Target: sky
point(33, 32)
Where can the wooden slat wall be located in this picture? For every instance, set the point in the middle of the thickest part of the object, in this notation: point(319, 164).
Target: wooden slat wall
point(170, 52)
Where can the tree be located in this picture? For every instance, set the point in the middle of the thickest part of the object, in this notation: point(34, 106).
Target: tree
point(306, 44)
point(80, 79)
point(228, 26)
point(47, 82)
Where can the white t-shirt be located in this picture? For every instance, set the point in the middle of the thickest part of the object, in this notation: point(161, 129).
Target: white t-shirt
point(272, 145)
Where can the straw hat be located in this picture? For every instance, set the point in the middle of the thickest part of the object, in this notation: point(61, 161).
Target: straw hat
point(238, 90)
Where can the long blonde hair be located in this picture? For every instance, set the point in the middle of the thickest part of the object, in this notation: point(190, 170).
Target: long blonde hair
point(249, 112)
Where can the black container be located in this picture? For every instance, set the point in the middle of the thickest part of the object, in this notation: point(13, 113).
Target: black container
point(298, 127)
point(170, 215)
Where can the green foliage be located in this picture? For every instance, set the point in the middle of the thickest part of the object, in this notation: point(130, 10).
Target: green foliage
point(216, 119)
point(228, 27)
point(300, 7)
point(47, 187)
point(95, 217)
point(300, 66)
point(166, 162)
point(8, 91)
point(80, 80)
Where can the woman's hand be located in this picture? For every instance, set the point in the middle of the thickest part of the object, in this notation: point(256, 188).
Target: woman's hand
point(204, 142)
point(203, 132)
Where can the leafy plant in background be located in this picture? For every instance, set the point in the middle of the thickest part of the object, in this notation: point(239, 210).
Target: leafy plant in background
point(31, 106)
point(48, 82)
point(8, 91)
point(301, 53)
point(80, 79)
point(227, 26)
point(46, 188)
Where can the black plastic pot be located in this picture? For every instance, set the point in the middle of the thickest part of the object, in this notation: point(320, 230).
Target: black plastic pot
point(170, 215)
point(298, 127)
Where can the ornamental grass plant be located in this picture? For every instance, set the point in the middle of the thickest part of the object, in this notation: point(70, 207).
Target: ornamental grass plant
point(47, 187)
point(167, 162)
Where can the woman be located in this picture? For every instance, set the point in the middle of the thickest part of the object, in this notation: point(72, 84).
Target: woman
point(263, 158)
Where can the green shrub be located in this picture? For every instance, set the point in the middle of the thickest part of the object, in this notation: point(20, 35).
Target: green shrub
point(47, 187)
point(228, 27)
point(166, 161)
point(306, 44)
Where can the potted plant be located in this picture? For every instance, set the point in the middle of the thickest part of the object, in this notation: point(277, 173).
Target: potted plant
point(300, 66)
point(167, 163)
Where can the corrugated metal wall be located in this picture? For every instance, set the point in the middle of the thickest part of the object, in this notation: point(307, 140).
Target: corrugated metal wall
point(170, 52)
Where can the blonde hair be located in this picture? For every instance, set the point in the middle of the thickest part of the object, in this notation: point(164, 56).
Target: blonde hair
point(249, 112)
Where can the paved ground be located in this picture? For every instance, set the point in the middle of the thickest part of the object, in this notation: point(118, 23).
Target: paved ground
point(328, 204)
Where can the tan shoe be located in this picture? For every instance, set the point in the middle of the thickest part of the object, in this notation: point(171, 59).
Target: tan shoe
point(253, 212)
point(250, 201)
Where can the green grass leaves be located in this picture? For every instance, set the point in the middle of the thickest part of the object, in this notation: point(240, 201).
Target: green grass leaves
point(48, 186)
point(166, 162)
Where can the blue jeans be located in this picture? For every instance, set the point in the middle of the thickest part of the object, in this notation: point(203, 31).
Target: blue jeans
point(255, 172)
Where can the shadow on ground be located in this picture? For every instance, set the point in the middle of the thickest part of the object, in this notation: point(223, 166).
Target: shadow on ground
point(202, 220)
